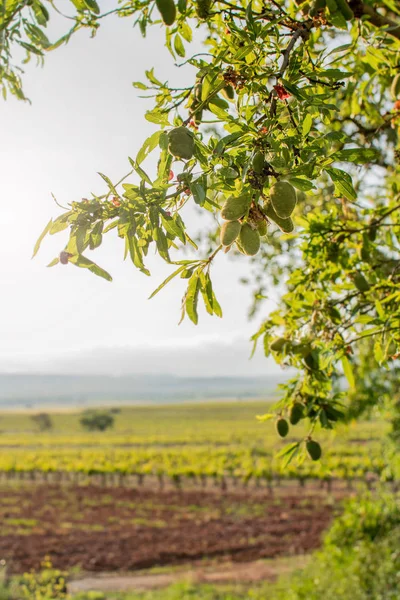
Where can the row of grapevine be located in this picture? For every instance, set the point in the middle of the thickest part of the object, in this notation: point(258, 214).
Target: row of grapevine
point(189, 462)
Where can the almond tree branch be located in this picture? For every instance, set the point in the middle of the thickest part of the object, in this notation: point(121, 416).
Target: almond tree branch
point(301, 32)
point(360, 8)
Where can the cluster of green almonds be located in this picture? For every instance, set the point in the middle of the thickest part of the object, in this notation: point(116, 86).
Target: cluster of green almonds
point(284, 344)
point(296, 413)
point(301, 349)
point(246, 235)
point(245, 222)
point(167, 10)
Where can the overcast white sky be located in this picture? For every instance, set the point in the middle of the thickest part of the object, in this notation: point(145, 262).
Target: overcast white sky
point(86, 117)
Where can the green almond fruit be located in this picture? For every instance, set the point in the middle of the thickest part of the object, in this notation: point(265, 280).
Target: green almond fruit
point(262, 228)
point(395, 88)
point(283, 199)
point(181, 143)
point(229, 232)
point(235, 207)
point(345, 9)
point(302, 350)
point(258, 162)
point(249, 240)
point(182, 151)
point(285, 225)
point(182, 6)
point(180, 134)
point(203, 8)
point(282, 427)
point(296, 413)
point(228, 92)
point(361, 283)
point(313, 449)
point(278, 344)
point(167, 11)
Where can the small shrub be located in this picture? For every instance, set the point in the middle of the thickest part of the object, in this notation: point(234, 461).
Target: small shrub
point(360, 558)
point(43, 421)
point(47, 584)
point(365, 519)
point(96, 420)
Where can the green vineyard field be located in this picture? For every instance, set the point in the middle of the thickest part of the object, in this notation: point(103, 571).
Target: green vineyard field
point(189, 443)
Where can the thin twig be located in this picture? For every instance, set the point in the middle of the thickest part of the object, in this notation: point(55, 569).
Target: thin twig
point(286, 54)
point(291, 116)
point(299, 33)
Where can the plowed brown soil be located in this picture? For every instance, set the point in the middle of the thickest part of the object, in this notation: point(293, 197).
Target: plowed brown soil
point(119, 529)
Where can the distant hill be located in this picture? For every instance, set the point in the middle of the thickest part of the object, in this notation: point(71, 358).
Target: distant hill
point(18, 390)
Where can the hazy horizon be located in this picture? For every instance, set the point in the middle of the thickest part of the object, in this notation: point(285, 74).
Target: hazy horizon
point(207, 357)
point(42, 391)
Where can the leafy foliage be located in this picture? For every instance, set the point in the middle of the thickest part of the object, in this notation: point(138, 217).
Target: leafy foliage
point(295, 93)
point(360, 557)
point(48, 583)
point(43, 421)
point(368, 519)
point(96, 420)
